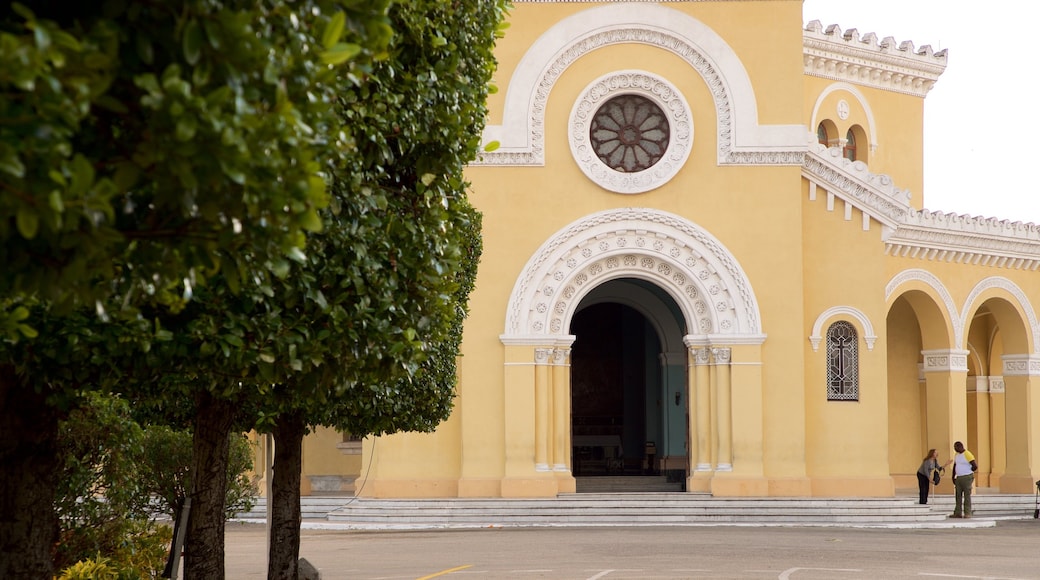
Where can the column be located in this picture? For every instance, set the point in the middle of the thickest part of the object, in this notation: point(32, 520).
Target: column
point(979, 427)
point(1022, 401)
point(702, 367)
point(998, 430)
point(541, 409)
point(560, 409)
point(723, 405)
point(945, 374)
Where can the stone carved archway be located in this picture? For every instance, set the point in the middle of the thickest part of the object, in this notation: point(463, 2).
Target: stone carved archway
point(684, 260)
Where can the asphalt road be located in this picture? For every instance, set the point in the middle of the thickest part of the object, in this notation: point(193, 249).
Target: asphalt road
point(1011, 550)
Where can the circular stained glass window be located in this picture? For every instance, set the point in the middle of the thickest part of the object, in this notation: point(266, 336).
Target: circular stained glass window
point(629, 133)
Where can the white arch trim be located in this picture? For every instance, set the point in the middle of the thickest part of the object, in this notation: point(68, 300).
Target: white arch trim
point(868, 329)
point(999, 282)
point(695, 269)
point(916, 274)
point(741, 139)
point(839, 86)
point(960, 319)
point(650, 306)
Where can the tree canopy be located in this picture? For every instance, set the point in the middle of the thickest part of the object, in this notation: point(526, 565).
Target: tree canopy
point(144, 149)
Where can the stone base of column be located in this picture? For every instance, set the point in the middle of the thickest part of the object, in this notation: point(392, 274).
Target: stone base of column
point(406, 488)
point(565, 482)
point(480, 487)
point(790, 487)
point(530, 486)
point(730, 485)
point(700, 481)
point(853, 487)
point(1018, 483)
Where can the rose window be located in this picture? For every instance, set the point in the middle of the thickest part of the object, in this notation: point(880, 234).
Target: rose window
point(629, 133)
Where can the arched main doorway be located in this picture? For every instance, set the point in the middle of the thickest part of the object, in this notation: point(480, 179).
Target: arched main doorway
point(629, 415)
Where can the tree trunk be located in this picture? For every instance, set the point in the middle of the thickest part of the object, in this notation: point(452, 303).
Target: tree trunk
point(284, 552)
point(28, 464)
point(204, 547)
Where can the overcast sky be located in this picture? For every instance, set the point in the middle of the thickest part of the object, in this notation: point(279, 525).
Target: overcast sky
point(981, 128)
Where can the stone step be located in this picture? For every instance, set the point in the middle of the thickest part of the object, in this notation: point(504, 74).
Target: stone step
point(638, 509)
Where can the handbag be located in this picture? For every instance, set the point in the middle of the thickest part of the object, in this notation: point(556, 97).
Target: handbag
point(935, 477)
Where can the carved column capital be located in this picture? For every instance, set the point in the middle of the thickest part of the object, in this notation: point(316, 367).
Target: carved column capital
point(945, 360)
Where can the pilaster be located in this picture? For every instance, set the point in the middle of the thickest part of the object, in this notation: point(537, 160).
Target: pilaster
point(1021, 380)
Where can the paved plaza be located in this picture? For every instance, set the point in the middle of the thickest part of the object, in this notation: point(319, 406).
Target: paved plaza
point(1010, 550)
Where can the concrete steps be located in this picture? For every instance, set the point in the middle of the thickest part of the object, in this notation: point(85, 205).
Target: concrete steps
point(627, 483)
point(645, 509)
point(627, 510)
point(997, 506)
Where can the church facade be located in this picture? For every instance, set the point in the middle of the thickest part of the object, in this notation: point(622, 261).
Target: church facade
point(706, 256)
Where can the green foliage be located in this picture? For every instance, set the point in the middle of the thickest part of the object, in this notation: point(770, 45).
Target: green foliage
point(98, 487)
point(165, 464)
point(139, 553)
point(149, 144)
point(116, 476)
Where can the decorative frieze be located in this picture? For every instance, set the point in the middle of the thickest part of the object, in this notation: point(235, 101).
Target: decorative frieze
point(709, 285)
point(1021, 365)
point(945, 360)
point(996, 384)
point(965, 239)
point(852, 181)
point(866, 61)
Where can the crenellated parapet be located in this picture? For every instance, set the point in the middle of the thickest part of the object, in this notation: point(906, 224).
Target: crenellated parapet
point(966, 239)
point(885, 64)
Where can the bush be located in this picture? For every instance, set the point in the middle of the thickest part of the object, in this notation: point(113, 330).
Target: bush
point(165, 464)
point(136, 550)
point(116, 477)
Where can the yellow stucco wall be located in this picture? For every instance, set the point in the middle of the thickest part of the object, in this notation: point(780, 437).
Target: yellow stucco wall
point(804, 251)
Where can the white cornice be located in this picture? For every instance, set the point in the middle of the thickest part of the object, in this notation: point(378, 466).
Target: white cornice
point(872, 193)
point(964, 239)
point(924, 234)
point(829, 53)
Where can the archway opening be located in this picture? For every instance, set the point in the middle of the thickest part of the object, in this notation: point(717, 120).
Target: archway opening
point(628, 403)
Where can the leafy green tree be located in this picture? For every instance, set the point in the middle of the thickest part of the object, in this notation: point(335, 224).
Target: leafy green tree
point(406, 182)
point(363, 334)
point(145, 148)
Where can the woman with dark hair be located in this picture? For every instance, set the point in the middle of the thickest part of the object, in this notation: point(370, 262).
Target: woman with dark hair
point(924, 473)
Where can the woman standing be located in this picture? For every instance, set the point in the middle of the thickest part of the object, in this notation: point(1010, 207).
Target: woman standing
point(924, 473)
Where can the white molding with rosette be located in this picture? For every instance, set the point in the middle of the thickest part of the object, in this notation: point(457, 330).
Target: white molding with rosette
point(650, 86)
point(741, 139)
point(695, 269)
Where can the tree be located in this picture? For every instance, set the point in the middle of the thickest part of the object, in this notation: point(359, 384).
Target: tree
point(364, 332)
point(144, 148)
point(411, 166)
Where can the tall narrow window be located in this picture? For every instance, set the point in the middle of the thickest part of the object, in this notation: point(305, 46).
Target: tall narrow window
point(842, 362)
point(821, 135)
point(850, 145)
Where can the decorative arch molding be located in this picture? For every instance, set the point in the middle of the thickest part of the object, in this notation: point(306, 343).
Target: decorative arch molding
point(929, 279)
point(647, 85)
point(708, 285)
point(1001, 283)
point(843, 311)
point(852, 90)
point(741, 140)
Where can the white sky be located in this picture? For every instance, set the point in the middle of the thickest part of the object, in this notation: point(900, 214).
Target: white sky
point(981, 131)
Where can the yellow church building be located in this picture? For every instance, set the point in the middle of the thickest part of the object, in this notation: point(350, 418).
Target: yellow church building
point(706, 255)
